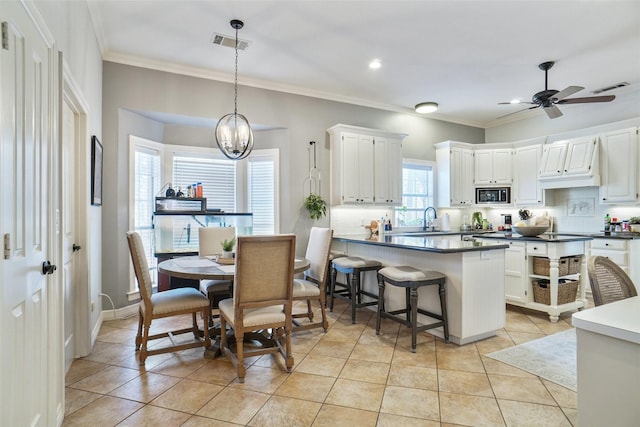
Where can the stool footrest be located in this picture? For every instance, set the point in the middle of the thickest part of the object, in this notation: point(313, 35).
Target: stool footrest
point(393, 316)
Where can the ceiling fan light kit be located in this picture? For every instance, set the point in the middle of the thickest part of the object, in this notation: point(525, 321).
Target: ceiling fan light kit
point(234, 135)
point(547, 99)
point(426, 107)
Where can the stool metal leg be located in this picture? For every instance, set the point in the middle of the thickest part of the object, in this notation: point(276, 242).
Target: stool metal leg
point(355, 279)
point(443, 309)
point(380, 304)
point(414, 317)
point(334, 274)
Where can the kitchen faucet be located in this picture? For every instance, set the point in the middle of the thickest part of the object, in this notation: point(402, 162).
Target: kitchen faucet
point(424, 219)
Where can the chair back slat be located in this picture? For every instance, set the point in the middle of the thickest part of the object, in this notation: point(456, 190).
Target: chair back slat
point(140, 266)
point(608, 281)
point(210, 238)
point(264, 269)
point(318, 250)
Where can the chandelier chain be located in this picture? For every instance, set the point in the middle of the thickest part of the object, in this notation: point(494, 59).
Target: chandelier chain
point(235, 85)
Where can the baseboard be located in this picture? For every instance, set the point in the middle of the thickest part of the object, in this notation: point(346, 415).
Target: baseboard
point(120, 313)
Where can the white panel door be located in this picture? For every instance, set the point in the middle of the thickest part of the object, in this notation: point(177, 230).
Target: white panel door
point(26, 130)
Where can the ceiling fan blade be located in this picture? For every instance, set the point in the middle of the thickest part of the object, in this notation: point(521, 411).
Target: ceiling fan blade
point(607, 98)
point(516, 112)
point(516, 103)
point(567, 91)
point(553, 112)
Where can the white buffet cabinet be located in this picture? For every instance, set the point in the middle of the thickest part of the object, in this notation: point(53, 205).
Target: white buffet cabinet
point(474, 287)
point(519, 270)
point(608, 356)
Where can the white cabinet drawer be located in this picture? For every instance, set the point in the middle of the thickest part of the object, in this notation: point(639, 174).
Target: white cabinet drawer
point(613, 244)
point(619, 257)
point(536, 248)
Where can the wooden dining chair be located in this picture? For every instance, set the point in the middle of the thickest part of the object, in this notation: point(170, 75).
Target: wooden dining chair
point(262, 298)
point(174, 302)
point(313, 285)
point(209, 244)
point(608, 281)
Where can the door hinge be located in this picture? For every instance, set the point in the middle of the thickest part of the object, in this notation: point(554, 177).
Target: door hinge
point(7, 246)
point(5, 35)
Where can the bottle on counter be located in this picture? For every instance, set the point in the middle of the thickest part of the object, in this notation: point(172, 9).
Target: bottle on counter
point(199, 189)
point(607, 223)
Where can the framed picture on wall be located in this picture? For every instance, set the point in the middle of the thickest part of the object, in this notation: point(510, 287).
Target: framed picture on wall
point(96, 171)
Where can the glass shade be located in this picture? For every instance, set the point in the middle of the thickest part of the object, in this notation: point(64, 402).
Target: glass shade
point(234, 136)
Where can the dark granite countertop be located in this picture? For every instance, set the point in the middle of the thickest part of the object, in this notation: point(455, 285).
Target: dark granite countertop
point(429, 243)
point(547, 237)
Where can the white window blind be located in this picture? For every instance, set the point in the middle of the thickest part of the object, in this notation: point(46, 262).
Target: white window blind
point(218, 178)
point(262, 193)
point(147, 184)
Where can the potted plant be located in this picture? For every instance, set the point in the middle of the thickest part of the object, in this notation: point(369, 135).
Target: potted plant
point(227, 247)
point(316, 206)
point(634, 224)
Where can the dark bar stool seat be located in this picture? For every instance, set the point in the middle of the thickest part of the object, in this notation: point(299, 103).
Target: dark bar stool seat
point(351, 291)
point(411, 279)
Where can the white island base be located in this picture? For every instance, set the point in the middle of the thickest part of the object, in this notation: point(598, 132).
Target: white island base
point(474, 288)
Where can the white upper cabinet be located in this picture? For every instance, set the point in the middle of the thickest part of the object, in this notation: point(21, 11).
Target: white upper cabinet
point(526, 189)
point(570, 163)
point(455, 166)
point(619, 164)
point(388, 171)
point(366, 166)
point(493, 166)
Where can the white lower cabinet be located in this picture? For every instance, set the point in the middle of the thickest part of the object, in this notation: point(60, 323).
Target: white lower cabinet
point(519, 274)
point(516, 283)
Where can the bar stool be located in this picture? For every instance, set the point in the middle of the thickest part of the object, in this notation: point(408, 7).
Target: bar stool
point(332, 255)
point(351, 291)
point(411, 279)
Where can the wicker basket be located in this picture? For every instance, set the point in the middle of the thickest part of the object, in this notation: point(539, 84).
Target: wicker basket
point(567, 291)
point(574, 264)
point(541, 266)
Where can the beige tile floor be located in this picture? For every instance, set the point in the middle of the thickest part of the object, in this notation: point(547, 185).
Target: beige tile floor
point(348, 376)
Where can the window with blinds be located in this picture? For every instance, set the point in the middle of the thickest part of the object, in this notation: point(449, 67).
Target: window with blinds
point(218, 178)
point(262, 193)
point(147, 184)
point(417, 192)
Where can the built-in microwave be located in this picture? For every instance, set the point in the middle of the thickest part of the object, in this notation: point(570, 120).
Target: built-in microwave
point(493, 195)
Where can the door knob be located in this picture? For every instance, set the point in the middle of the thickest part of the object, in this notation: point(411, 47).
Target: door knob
point(76, 247)
point(48, 268)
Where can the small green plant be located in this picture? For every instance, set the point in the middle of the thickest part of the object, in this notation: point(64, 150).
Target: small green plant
point(227, 245)
point(316, 206)
point(634, 220)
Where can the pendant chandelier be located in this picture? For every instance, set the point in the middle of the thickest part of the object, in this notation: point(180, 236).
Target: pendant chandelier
point(233, 132)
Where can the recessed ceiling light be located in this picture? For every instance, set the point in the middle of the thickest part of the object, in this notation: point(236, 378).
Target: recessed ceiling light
point(426, 107)
point(375, 64)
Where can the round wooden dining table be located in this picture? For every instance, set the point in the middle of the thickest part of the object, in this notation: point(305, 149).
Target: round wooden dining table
point(206, 268)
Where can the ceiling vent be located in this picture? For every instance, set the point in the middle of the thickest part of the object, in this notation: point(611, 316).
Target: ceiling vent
point(615, 86)
point(229, 41)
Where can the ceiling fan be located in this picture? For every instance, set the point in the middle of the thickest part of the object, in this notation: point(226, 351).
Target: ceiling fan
point(548, 98)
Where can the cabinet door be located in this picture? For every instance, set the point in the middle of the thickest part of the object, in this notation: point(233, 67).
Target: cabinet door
point(579, 154)
point(526, 163)
point(349, 168)
point(553, 157)
point(365, 168)
point(466, 178)
point(388, 171)
point(619, 161)
point(516, 285)
point(483, 163)
point(502, 166)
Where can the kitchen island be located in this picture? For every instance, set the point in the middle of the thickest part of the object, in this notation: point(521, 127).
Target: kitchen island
point(474, 270)
point(553, 259)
